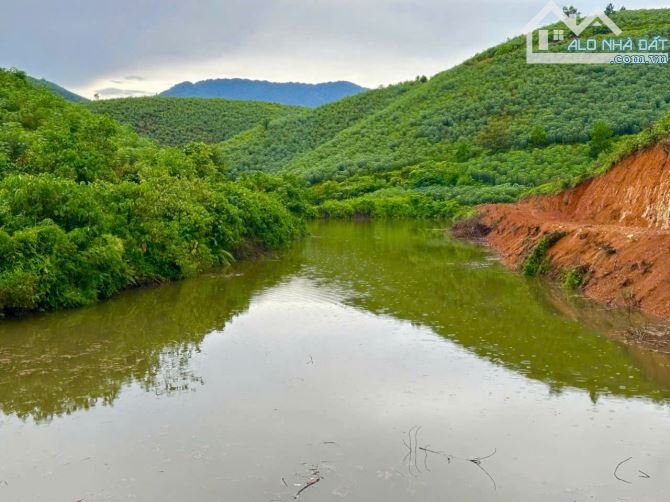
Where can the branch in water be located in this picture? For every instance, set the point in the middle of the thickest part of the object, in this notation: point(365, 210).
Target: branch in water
point(413, 447)
point(617, 468)
point(309, 483)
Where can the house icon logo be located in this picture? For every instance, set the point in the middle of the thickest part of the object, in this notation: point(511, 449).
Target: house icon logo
point(538, 39)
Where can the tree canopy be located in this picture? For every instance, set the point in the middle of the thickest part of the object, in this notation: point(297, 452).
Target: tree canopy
point(87, 207)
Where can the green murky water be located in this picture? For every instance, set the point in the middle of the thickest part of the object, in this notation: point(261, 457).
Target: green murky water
point(375, 361)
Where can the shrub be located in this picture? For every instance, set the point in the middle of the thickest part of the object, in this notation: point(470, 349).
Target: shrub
point(87, 208)
point(536, 262)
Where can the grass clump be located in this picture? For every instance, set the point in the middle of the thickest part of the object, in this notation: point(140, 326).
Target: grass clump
point(536, 263)
point(575, 277)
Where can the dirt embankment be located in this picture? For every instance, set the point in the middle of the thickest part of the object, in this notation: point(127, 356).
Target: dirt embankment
point(616, 232)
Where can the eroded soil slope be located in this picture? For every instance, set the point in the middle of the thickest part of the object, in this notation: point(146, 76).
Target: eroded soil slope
point(617, 232)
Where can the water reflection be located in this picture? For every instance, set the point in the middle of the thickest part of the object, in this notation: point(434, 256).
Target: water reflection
point(61, 362)
point(57, 363)
point(457, 290)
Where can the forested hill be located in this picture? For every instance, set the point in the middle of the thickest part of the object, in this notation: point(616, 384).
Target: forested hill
point(87, 207)
point(487, 130)
point(61, 91)
point(178, 121)
point(286, 93)
point(273, 146)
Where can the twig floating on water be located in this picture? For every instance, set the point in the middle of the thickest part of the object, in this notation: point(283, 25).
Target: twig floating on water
point(478, 462)
point(445, 455)
point(416, 445)
point(425, 459)
point(475, 460)
point(617, 468)
point(309, 483)
point(409, 451)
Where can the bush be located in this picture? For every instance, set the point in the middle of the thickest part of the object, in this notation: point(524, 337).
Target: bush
point(87, 208)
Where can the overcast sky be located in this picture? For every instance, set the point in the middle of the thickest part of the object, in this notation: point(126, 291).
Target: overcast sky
point(128, 47)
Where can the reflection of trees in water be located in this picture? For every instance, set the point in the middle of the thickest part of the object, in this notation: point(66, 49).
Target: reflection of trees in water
point(456, 290)
point(174, 373)
point(61, 362)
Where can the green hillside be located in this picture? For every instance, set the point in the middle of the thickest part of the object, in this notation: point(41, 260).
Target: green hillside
point(177, 121)
point(274, 147)
point(61, 91)
point(87, 207)
point(487, 130)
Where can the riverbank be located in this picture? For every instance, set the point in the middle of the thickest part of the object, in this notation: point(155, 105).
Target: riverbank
point(609, 236)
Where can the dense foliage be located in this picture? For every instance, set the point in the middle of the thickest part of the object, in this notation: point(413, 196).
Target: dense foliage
point(286, 93)
point(61, 91)
point(490, 129)
point(273, 147)
point(178, 121)
point(88, 208)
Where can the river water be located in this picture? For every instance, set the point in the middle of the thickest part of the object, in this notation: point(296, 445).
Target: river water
point(372, 362)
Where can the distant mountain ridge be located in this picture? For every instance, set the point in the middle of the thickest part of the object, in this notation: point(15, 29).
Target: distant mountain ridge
point(285, 93)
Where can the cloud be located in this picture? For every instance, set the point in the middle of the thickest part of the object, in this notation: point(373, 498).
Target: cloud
point(115, 92)
point(130, 78)
point(167, 41)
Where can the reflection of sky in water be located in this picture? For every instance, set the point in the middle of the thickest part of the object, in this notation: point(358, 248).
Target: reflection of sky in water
point(298, 371)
